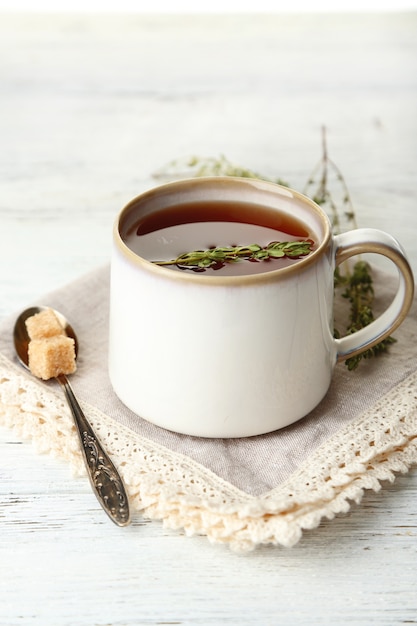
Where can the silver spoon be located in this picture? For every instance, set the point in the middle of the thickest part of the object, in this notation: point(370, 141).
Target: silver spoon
point(104, 478)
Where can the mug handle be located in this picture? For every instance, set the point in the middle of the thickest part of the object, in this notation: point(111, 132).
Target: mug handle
point(366, 240)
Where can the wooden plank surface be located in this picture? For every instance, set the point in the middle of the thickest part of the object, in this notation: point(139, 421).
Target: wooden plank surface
point(90, 107)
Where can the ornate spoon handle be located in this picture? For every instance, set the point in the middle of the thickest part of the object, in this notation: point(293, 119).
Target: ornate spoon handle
point(104, 478)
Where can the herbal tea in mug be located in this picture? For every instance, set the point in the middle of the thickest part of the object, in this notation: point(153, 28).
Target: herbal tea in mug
point(218, 237)
point(221, 305)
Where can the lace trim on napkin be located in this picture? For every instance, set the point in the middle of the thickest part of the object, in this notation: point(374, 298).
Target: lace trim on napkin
point(172, 487)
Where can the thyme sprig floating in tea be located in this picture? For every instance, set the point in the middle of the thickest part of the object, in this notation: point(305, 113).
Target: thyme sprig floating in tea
point(354, 284)
point(216, 257)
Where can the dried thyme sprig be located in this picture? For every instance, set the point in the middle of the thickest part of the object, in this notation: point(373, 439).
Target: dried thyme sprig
point(328, 173)
point(195, 166)
point(217, 257)
point(359, 291)
point(356, 283)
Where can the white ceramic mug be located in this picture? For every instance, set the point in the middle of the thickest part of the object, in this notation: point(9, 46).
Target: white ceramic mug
point(235, 356)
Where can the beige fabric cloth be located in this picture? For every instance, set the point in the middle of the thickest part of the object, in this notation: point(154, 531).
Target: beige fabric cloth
point(241, 492)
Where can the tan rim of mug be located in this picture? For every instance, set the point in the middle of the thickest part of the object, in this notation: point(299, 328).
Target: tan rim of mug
point(187, 277)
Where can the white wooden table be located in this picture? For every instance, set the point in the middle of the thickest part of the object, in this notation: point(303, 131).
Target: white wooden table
point(89, 109)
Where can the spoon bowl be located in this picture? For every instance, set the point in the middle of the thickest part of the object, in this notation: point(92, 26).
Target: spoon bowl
point(105, 480)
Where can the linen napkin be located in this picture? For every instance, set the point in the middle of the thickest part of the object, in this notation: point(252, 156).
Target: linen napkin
point(241, 492)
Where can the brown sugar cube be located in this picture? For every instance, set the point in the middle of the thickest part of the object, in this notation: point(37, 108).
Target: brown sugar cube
point(52, 356)
point(44, 324)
